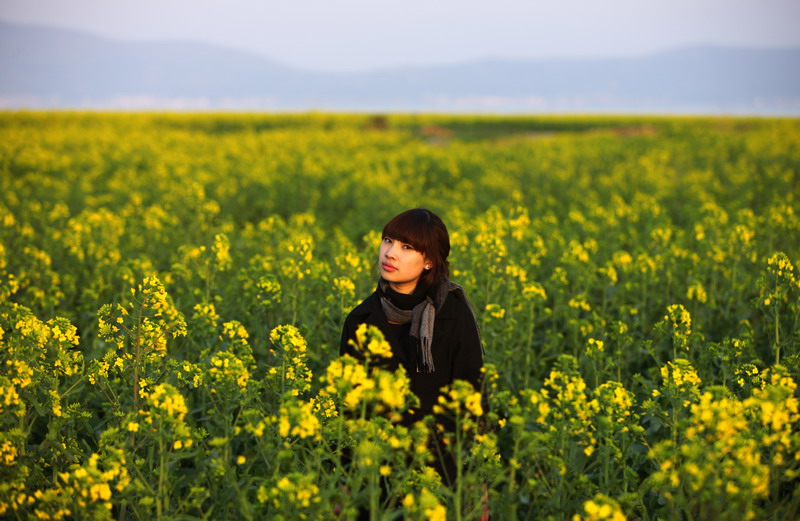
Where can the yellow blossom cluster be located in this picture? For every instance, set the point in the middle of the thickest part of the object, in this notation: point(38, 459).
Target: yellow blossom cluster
point(679, 322)
point(594, 347)
point(222, 252)
point(301, 252)
point(458, 398)
point(516, 272)
point(154, 297)
point(721, 461)
point(748, 374)
point(235, 332)
point(680, 376)
point(9, 398)
point(206, 314)
point(697, 292)
point(167, 399)
point(298, 419)
point(609, 272)
point(568, 393)
point(776, 407)
point(495, 311)
point(324, 406)
point(370, 342)
point(94, 482)
point(579, 303)
point(540, 403)
point(534, 291)
point(227, 367)
point(600, 508)
point(378, 391)
point(268, 290)
point(427, 504)
point(35, 360)
point(8, 453)
point(190, 373)
point(579, 252)
point(347, 378)
point(780, 266)
point(571, 406)
point(295, 372)
point(292, 494)
point(615, 401)
point(344, 286)
point(781, 281)
point(733, 449)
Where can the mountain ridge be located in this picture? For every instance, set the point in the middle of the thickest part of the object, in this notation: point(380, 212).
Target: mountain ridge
point(62, 68)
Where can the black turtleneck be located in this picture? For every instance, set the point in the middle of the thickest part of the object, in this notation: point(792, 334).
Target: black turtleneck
point(402, 332)
point(403, 300)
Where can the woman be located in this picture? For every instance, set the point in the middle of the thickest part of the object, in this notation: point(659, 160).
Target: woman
point(425, 318)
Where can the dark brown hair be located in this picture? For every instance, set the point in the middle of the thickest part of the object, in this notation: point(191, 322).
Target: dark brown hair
point(425, 231)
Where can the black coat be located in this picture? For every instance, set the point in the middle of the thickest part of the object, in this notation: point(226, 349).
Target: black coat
point(456, 347)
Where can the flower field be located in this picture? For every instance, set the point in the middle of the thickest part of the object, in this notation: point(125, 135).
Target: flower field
point(172, 291)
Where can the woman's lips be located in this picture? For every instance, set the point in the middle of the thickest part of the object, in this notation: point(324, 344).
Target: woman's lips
point(389, 267)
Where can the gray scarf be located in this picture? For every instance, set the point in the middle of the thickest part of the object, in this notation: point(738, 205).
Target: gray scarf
point(422, 317)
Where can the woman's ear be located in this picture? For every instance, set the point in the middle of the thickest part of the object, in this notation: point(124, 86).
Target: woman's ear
point(428, 263)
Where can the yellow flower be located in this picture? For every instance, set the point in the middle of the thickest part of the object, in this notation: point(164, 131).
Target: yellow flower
point(166, 398)
point(8, 453)
point(495, 311)
point(298, 419)
point(438, 513)
point(370, 341)
point(100, 491)
point(601, 508)
point(473, 404)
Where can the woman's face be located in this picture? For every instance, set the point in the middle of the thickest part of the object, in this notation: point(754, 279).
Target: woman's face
point(401, 265)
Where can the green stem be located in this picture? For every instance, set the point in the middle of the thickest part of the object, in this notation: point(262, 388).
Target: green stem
point(777, 338)
point(373, 497)
point(136, 359)
point(528, 348)
point(674, 422)
point(459, 481)
point(162, 477)
point(511, 510)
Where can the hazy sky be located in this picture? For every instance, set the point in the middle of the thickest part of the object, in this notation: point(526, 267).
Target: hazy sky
point(360, 34)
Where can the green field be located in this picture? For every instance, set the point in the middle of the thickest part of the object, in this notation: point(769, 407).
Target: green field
point(172, 291)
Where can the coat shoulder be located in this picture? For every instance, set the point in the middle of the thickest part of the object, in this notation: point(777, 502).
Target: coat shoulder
point(359, 314)
point(363, 309)
point(456, 306)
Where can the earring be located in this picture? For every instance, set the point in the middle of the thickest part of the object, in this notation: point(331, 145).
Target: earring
point(428, 267)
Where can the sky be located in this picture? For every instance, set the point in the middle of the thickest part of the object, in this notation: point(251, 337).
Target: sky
point(354, 35)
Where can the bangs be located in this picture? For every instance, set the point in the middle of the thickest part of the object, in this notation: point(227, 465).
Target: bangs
point(411, 227)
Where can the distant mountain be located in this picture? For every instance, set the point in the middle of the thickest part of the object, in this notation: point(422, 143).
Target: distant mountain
point(54, 68)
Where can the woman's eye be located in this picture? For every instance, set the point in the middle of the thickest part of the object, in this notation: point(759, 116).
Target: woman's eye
point(387, 239)
point(408, 247)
